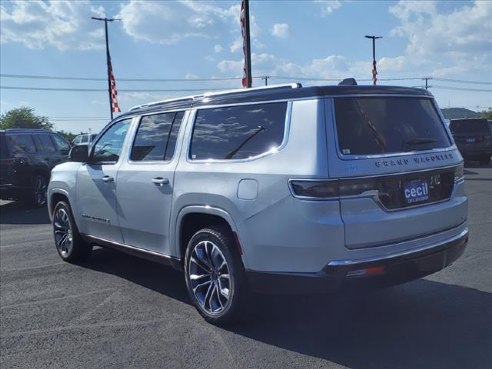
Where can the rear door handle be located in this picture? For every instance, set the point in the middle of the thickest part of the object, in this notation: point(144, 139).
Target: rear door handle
point(160, 181)
point(107, 179)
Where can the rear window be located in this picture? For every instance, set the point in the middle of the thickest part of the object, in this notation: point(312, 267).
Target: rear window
point(469, 125)
point(238, 132)
point(379, 125)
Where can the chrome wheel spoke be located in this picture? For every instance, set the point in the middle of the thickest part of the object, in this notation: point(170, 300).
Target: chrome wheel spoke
point(62, 231)
point(209, 278)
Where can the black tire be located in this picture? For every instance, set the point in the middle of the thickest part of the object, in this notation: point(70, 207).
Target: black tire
point(485, 160)
point(39, 191)
point(69, 244)
point(224, 299)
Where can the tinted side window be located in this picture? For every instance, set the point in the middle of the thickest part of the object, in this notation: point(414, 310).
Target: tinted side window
point(4, 152)
point(61, 144)
point(44, 143)
point(156, 137)
point(238, 132)
point(20, 144)
point(108, 147)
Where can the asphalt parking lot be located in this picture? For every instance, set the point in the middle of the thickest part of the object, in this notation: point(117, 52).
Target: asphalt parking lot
point(117, 311)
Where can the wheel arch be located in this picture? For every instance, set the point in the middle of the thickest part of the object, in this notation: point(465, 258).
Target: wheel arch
point(193, 218)
point(54, 197)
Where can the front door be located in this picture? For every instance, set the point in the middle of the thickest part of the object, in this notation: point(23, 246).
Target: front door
point(145, 182)
point(97, 183)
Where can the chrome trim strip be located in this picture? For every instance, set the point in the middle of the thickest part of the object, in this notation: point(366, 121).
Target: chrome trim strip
point(133, 248)
point(348, 262)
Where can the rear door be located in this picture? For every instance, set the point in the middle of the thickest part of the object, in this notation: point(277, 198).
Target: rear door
point(146, 182)
point(396, 168)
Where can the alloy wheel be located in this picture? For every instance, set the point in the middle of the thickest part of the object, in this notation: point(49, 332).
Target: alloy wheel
point(63, 232)
point(209, 277)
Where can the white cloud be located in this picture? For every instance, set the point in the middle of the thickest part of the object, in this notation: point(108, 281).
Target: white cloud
point(329, 6)
point(459, 40)
point(218, 48)
point(280, 30)
point(233, 66)
point(61, 24)
point(166, 22)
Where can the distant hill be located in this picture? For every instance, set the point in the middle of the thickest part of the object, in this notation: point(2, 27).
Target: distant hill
point(456, 113)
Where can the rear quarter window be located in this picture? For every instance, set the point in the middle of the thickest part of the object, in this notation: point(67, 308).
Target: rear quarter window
point(238, 132)
point(380, 125)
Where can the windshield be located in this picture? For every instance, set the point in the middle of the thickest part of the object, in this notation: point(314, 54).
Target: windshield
point(378, 125)
point(469, 126)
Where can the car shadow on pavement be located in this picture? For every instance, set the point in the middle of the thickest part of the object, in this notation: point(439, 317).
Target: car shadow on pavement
point(149, 274)
point(17, 212)
point(422, 324)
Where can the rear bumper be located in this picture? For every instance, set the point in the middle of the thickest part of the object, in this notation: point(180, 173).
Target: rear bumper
point(379, 272)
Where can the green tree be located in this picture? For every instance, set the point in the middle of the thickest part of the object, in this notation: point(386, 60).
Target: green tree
point(487, 114)
point(23, 117)
point(68, 135)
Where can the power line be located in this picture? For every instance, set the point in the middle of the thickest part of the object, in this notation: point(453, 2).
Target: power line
point(460, 88)
point(104, 90)
point(31, 76)
point(463, 81)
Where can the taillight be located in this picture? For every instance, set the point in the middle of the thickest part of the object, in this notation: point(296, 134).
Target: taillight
point(322, 189)
point(459, 173)
point(315, 189)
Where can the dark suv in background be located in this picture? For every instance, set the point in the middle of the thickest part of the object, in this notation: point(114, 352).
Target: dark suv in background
point(26, 159)
point(473, 138)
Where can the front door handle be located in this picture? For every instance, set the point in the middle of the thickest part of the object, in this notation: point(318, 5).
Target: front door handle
point(160, 181)
point(107, 179)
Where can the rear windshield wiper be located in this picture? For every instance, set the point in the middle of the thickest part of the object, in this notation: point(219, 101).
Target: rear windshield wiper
point(419, 141)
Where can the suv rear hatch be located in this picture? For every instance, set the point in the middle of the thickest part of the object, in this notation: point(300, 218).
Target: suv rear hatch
point(396, 167)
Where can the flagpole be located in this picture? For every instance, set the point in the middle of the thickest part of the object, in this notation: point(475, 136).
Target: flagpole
point(108, 60)
point(374, 70)
point(247, 79)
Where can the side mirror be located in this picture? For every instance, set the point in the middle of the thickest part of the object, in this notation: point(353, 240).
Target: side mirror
point(80, 153)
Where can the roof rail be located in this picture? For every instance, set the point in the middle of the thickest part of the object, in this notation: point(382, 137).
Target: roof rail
point(244, 90)
point(177, 99)
point(216, 93)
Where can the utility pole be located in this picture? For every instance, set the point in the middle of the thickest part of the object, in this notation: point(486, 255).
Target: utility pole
point(426, 82)
point(374, 70)
point(266, 79)
point(108, 58)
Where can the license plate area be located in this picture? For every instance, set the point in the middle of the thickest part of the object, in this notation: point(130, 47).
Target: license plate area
point(470, 140)
point(415, 191)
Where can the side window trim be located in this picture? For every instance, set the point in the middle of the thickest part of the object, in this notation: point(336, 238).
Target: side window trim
point(193, 117)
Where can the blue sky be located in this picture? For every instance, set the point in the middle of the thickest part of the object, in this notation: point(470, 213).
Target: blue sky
point(450, 41)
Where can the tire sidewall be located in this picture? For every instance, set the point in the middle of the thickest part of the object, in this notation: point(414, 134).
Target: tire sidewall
point(34, 200)
point(223, 241)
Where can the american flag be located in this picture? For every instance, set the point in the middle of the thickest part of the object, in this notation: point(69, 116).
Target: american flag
point(374, 73)
point(114, 94)
point(246, 80)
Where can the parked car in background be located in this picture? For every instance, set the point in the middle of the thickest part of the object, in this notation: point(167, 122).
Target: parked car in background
point(280, 189)
point(473, 137)
point(27, 157)
point(84, 139)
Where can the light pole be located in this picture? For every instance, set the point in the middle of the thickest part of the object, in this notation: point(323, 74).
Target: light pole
point(374, 70)
point(108, 59)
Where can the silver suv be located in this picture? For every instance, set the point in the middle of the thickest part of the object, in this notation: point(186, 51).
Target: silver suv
point(285, 189)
